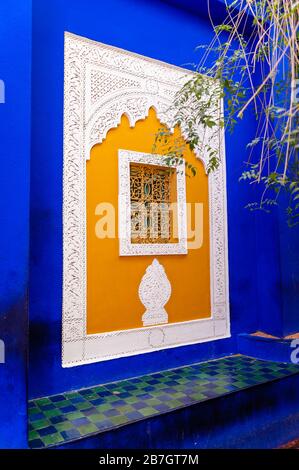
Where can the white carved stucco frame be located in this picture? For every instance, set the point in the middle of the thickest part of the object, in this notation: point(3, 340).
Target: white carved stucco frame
point(101, 84)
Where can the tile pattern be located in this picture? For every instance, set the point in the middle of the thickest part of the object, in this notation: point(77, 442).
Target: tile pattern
point(73, 415)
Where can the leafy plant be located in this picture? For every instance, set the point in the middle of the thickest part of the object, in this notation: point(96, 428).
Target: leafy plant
point(255, 73)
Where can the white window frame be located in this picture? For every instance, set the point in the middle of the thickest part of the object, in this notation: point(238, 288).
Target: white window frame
point(126, 247)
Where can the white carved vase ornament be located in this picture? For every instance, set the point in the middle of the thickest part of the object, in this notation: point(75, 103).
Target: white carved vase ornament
point(154, 293)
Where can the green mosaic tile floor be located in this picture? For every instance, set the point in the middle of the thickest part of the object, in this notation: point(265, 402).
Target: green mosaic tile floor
point(73, 415)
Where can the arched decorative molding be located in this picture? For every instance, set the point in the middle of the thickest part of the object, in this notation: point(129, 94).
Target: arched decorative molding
point(134, 105)
point(116, 82)
point(101, 84)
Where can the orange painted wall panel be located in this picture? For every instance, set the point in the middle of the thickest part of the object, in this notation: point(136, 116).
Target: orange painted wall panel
point(113, 281)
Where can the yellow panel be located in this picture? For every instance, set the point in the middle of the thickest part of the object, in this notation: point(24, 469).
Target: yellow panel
point(113, 281)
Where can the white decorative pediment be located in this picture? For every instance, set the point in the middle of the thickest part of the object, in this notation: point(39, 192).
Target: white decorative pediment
point(117, 82)
point(101, 84)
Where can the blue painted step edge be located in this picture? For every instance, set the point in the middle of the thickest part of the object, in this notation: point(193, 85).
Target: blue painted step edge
point(269, 349)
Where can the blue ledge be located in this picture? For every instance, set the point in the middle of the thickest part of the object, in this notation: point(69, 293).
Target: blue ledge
point(264, 348)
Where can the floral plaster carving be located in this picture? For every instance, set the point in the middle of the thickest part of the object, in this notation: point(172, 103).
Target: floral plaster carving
point(101, 84)
point(154, 293)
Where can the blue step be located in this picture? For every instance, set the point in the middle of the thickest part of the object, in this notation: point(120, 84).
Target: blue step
point(265, 348)
point(236, 401)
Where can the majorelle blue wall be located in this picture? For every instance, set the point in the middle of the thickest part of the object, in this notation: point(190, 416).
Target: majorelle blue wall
point(277, 261)
point(15, 63)
point(289, 261)
point(167, 32)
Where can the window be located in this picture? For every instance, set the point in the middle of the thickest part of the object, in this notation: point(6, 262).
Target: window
point(152, 205)
point(150, 193)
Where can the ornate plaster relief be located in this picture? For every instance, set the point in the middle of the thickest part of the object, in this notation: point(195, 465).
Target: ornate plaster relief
point(101, 84)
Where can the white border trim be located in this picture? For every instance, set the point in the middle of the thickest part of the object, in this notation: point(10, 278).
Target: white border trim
point(102, 83)
point(126, 247)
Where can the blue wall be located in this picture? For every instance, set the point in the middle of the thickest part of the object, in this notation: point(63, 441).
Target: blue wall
point(15, 63)
point(155, 29)
point(289, 259)
point(262, 250)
